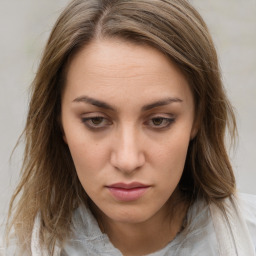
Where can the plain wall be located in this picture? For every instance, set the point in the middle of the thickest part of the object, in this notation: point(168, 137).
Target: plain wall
point(25, 26)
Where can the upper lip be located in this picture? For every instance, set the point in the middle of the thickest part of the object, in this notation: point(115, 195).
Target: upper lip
point(128, 185)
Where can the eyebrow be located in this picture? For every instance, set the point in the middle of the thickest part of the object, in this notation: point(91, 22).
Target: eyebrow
point(161, 103)
point(104, 105)
point(94, 102)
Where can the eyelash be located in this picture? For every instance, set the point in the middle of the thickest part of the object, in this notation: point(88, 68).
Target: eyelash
point(88, 121)
point(165, 122)
point(104, 122)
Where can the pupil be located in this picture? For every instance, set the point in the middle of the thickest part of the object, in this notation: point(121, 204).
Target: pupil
point(97, 120)
point(157, 121)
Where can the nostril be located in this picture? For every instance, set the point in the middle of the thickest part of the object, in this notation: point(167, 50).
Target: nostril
point(127, 162)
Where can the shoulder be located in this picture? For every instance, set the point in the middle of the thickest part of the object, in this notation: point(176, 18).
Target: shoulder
point(247, 204)
point(37, 249)
point(234, 223)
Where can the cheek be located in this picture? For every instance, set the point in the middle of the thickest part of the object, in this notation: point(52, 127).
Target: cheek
point(174, 150)
point(170, 160)
point(89, 156)
point(90, 162)
point(85, 151)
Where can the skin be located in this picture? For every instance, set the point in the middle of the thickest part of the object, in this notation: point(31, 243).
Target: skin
point(116, 133)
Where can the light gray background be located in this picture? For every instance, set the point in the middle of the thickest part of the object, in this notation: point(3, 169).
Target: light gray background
point(25, 26)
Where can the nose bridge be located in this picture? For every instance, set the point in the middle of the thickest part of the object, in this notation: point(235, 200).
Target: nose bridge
point(127, 154)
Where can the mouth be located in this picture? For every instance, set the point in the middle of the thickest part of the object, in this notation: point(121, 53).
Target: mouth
point(127, 192)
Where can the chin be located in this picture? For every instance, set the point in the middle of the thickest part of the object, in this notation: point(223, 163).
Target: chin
point(129, 214)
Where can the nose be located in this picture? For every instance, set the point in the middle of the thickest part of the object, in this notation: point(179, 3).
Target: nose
point(127, 154)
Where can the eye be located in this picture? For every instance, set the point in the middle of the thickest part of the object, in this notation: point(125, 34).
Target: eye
point(160, 122)
point(96, 122)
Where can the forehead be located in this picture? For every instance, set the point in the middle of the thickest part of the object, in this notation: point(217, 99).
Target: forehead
point(110, 68)
point(119, 55)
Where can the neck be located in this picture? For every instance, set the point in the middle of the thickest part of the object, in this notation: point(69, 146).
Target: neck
point(149, 236)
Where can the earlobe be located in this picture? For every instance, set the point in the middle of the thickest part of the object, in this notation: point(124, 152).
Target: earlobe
point(193, 134)
point(61, 129)
point(65, 138)
point(194, 130)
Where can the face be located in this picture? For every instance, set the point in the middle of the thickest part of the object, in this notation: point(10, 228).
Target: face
point(128, 117)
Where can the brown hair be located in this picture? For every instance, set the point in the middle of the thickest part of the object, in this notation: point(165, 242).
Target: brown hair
point(49, 183)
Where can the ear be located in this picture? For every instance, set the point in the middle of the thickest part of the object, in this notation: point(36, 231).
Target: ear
point(64, 138)
point(61, 129)
point(63, 134)
point(194, 129)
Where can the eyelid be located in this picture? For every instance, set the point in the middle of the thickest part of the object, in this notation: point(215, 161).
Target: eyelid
point(89, 115)
point(87, 121)
point(169, 119)
point(161, 115)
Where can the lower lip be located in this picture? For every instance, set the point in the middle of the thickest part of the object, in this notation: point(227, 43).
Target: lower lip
point(127, 195)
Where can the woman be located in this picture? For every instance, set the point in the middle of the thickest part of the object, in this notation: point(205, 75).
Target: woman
point(125, 149)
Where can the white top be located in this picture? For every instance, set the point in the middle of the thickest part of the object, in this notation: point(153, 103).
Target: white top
point(208, 232)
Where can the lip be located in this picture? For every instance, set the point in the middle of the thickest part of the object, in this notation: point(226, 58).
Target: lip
point(127, 191)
